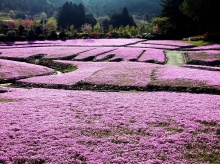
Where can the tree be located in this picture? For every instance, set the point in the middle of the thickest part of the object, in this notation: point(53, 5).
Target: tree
point(97, 27)
point(71, 14)
point(202, 12)
point(122, 19)
point(181, 24)
point(51, 24)
point(160, 24)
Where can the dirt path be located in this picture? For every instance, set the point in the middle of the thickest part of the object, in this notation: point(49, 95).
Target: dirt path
point(175, 58)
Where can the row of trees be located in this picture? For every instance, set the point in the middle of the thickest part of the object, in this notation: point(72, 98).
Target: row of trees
point(183, 18)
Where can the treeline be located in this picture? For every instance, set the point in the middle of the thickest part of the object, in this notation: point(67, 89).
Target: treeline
point(183, 18)
point(146, 8)
point(26, 8)
point(178, 19)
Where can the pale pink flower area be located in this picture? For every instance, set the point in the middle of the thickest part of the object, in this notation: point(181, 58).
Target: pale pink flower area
point(169, 43)
point(202, 67)
point(205, 55)
point(186, 76)
point(15, 70)
point(123, 74)
point(63, 52)
point(157, 46)
point(75, 42)
point(153, 55)
point(89, 55)
point(208, 47)
point(62, 126)
point(122, 54)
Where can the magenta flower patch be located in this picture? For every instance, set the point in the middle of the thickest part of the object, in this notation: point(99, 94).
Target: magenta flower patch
point(50, 126)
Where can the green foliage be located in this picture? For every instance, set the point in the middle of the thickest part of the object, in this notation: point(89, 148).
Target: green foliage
point(161, 24)
point(51, 24)
point(97, 28)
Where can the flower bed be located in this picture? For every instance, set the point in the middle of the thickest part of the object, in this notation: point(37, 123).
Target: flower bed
point(95, 73)
point(158, 46)
point(169, 43)
point(208, 57)
point(10, 70)
point(122, 54)
point(48, 52)
point(153, 55)
point(84, 70)
point(90, 55)
point(209, 68)
point(116, 127)
point(208, 47)
point(75, 42)
point(184, 77)
point(123, 74)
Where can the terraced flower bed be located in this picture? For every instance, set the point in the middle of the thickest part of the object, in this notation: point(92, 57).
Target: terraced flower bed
point(99, 127)
point(123, 74)
point(177, 43)
point(74, 42)
point(209, 68)
point(157, 46)
point(90, 55)
point(121, 54)
point(46, 52)
point(208, 57)
point(153, 56)
point(177, 78)
point(11, 70)
point(208, 47)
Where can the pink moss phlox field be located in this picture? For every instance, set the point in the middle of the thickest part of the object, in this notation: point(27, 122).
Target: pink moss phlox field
point(15, 70)
point(174, 73)
point(95, 52)
point(123, 74)
point(169, 43)
point(205, 55)
point(150, 54)
point(61, 126)
point(208, 47)
point(158, 46)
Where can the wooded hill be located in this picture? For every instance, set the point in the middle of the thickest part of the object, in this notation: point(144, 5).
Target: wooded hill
point(144, 8)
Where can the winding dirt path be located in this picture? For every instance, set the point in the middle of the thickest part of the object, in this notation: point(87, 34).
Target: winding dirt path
point(175, 58)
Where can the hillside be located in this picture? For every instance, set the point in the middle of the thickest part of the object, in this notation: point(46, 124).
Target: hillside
point(143, 8)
